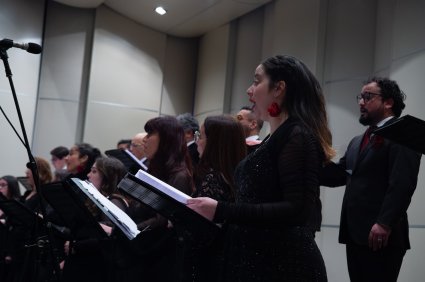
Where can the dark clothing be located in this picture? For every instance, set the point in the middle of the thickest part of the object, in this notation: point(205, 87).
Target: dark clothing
point(365, 265)
point(380, 182)
point(94, 259)
point(159, 249)
point(252, 148)
point(214, 186)
point(271, 226)
point(206, 261)
point(193, 153)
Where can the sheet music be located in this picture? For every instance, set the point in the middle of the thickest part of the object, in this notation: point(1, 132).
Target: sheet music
point(162, 186)
point(119, 215)
point(140, 162)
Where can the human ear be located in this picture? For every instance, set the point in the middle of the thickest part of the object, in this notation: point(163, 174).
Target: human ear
point(389, 103)
point(279, 88)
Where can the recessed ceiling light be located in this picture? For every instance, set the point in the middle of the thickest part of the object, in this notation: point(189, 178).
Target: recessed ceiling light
point(160, 10)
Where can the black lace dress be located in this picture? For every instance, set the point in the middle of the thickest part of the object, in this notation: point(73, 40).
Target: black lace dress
point(206, 261)
point(271, 226)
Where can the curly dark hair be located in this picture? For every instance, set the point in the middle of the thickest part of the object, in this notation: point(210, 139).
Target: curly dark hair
point(390, 90)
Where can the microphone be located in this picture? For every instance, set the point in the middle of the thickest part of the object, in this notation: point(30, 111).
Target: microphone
point(29, 47)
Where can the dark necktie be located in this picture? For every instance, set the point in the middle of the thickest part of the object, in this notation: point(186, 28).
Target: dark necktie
point(366, 137)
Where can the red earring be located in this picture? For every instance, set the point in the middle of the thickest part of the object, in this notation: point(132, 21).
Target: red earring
point(274, 110)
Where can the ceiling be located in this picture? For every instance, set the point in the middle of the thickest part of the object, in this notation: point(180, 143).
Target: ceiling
point(184, 18)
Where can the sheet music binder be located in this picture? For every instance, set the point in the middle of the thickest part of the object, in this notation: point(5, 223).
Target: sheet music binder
point(24, 181)
point(127, 158)
point(118, 217)
point(407, 130)
point(70, 207)
point(194, 226)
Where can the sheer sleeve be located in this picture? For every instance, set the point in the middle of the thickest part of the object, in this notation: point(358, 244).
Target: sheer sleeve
point(298, 166)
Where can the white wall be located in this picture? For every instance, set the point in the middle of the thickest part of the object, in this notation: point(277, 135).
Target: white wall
point(125, 79)
point(103, 76)
point(64, 77)
point(211, 75)
point(21, 21)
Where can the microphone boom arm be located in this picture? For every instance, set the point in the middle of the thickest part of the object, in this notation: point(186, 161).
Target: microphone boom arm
point(32, 165)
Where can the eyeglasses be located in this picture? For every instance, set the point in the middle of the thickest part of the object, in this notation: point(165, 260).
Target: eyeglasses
point(367, 96)
point(2, 185)
point(197, 135)
point(135, 145)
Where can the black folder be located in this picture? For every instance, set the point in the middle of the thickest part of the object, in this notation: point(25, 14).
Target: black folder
point(193, 225)
point(128, 160)
point(118, 217)
point(68, 203)
point(24, 181)
point(407, 130)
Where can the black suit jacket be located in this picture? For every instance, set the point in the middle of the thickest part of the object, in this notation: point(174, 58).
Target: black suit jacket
point(193, 153)
point(380, 182)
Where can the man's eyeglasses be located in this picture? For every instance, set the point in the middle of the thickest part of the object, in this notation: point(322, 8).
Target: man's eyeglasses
point(197, 135)
point(2, 185)
point(135, 145)
point(366, 96)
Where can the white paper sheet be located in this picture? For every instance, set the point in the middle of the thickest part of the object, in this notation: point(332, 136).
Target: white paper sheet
point(163, 187)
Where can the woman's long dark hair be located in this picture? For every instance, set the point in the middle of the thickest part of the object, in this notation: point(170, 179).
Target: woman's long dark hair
point(224, 149)
point(172, 155)
point(12, 186)
point(303, 98)
point(112, 171)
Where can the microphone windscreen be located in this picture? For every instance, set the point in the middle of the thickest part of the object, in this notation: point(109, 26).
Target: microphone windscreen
point(34, 48)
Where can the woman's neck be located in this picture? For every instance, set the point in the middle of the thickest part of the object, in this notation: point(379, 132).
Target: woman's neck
point(275, 122)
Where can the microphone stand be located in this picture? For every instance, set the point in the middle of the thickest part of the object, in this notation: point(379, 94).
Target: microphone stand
point(32, 165)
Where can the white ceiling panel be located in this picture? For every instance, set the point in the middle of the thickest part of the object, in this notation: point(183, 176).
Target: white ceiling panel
point(184, 18)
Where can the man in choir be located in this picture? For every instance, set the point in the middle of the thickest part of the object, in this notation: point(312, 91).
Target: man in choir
point(251, 126)
point(136, 147)
point(191, 130)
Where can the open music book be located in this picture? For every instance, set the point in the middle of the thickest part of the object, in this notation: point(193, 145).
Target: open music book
point(140, 162)
point(163, 187)
point(129, 160)
point(114, 213)
point(170, 203)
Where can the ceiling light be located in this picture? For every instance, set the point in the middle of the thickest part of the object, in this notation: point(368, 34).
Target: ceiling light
point(160, 10)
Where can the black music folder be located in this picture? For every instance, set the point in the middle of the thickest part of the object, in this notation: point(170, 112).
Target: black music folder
point(24, 181)
point(170, 203)
point(117, 216)
point(128, 159)
point(69, 205)
point(407, 130)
